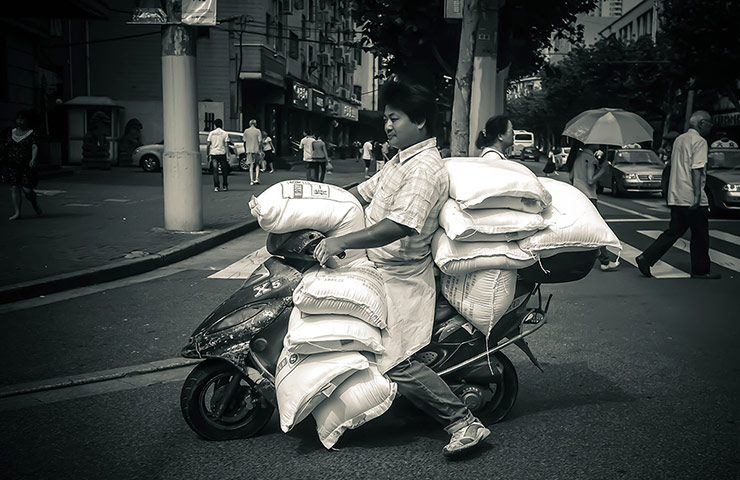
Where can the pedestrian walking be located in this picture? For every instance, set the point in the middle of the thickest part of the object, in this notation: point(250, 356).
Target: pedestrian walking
point(550, 165)
point(268, 149)
point(496, 138)
point(584, 175)
point(306, 146)
point(687, 200)
point(367, 156)
point(218, 143)
point(253, 148)
point(403, 203)
point(18, 151)
point(320, 157)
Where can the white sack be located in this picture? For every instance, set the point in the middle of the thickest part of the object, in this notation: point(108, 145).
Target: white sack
point(303, 381)
point(574, 224)
point(351, 290)
point(479, 183)
point(458, 258)
point(492, 225)
point(362, 397)
point(481, 297)
point(330, 333)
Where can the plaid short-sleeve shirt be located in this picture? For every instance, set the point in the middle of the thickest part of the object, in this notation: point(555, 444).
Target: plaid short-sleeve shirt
point(410, 190)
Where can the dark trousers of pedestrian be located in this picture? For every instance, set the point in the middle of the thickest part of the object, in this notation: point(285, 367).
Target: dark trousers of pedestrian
point(603, 252)
point(220, 160)
point(269, 156)
point(321, 170)
point(312, 171)
point(682, 219)
point(430, 394)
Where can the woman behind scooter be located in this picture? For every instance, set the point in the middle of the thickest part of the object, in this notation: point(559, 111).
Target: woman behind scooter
point(404, 200)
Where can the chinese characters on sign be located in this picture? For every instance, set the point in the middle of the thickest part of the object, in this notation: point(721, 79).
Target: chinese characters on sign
point(301, 96)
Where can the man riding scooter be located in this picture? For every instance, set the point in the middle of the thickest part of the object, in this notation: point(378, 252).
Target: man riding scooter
point(404, 200)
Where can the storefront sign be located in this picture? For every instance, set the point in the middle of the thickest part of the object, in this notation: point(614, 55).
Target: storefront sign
point(350, 112)
point(726, 119)
point(332, 107)
point(301, 96)
point(199, 12)
point(319, 101)
point(272, 70)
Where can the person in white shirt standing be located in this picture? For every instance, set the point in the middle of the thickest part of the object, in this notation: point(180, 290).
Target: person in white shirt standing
point(306, 147)
point(218, 142)
point(688, 202)
point(269, 151)
point(253, 147)
point(367, 156)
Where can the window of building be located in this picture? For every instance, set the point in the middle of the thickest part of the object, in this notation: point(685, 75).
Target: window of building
point(358, 55)
point(311, 8)
point(304, 27)
point(268, 30)
point(322, 42)
point(357, 91)
point(279, 38)
point(293, 45)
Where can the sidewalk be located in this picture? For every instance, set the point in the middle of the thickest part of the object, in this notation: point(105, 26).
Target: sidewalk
point(100, 225)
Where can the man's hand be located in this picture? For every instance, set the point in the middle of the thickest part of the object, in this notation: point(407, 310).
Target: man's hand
point(326, 250)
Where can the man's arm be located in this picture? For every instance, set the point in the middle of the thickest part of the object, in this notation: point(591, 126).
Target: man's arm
point(600, 171)
point(382, 233)
point(356, 192)
point(696, 178)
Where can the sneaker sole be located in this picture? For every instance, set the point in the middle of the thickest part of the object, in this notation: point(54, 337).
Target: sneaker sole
point(483, 433)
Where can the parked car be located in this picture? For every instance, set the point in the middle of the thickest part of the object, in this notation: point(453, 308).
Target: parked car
point(632, 170)
point(723, 179)
point(149, 157)
point(530, 153)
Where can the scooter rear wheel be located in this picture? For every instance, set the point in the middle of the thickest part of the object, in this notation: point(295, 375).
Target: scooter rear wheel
point(204, 392)
point(505, 387)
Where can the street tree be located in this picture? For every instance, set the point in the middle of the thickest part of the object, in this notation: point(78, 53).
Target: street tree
point(703, 39)
point(413, 36)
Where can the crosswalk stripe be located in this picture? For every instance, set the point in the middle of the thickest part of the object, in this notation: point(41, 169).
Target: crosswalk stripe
point(245, 267)
point(727, 237)
point(659, 270)
point(633, 212)
point(717, 257)
point(653, 205)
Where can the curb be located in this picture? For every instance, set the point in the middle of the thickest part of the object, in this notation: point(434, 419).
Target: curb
point(123, 268)
point(126, 268)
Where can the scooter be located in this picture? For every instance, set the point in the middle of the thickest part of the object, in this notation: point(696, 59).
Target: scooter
point(231, 394)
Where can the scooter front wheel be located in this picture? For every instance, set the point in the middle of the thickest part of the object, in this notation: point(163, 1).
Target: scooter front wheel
point(218, 402)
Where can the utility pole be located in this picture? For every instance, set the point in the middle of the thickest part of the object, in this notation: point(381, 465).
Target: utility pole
point(484, 98)
point(461, 104)
point(181, 171)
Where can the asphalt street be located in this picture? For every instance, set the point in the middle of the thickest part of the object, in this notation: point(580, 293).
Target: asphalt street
point(640, 381)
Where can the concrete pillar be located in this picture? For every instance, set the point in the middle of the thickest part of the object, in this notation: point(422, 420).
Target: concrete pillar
point(183, 209)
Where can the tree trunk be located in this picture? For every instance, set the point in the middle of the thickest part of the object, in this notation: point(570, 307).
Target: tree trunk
point(460, 133)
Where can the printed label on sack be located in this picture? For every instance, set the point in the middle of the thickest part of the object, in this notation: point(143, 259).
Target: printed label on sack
point(298, 189)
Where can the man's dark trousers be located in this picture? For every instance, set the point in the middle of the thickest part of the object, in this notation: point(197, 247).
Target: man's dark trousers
point(682, 219)
point(220, 160)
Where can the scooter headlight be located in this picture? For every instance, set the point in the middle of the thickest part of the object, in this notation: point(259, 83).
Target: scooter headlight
point(237, 317)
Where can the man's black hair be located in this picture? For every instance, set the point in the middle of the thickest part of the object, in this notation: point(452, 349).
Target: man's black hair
point(219, 123)
point(413, 98)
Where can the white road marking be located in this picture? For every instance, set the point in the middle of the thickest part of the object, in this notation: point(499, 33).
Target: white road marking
point(244, 267)
point(633, 212)
point(727, 237)
point(632, 220)
point(659, 270)
point(117, 200)
point(717, 257)
point(78, 204)
point(50, 193)
point(656, 205)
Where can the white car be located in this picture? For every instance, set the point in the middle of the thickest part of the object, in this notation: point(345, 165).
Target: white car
point(149, 157)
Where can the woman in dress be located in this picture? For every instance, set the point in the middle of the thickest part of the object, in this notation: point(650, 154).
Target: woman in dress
point(20, 149)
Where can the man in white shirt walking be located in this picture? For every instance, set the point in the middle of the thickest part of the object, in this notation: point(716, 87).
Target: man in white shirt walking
point(687, 200)
point(218, 142)
point(253, 147)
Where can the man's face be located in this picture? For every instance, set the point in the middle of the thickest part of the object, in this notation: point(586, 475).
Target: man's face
point(401, 131)
point(705, 127)
point(508, 137)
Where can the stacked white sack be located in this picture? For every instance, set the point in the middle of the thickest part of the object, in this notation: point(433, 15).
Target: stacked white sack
point(293, 205)
point(478, 183)
point(340, 311)
point(574, 224)
point(488, 225)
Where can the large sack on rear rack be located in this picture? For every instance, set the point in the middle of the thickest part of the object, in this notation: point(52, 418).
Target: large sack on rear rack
point(488, 225)
point(574, 224)
point(458, 258)
point(478, 183)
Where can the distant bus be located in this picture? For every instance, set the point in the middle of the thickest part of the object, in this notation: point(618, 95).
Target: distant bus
point(522, 138)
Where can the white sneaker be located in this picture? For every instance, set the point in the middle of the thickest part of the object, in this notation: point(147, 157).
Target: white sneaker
point(609, 266)
point(465, 438)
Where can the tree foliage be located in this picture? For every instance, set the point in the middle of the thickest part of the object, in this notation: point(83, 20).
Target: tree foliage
point(703, 39)
point(413, 35)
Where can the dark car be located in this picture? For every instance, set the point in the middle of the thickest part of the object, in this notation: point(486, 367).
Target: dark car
point(723, 179)
point(632, 170)
point(530, 153)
